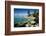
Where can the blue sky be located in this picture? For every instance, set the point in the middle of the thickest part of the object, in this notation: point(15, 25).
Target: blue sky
point(23, 12)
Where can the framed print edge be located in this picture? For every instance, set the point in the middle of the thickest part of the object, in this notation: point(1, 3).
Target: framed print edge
point(25, 28)
point(8, 17)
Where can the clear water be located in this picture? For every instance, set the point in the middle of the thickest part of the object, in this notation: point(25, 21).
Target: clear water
point(19, 19)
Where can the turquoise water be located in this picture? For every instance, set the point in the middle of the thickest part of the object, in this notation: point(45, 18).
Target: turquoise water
point(19, 19)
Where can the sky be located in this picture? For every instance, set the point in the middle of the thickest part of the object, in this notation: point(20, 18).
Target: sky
point(23, 12)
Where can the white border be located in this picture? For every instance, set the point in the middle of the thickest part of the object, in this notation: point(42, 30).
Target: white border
point(26, 28)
